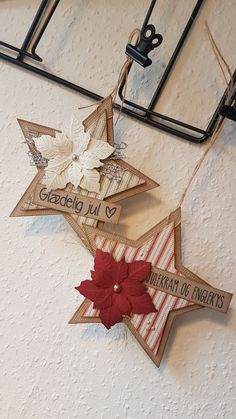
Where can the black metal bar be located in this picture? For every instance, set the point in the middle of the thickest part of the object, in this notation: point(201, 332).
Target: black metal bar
point(44, 26)
point(169, 66)
point(229, 112)
point(27, 54)
point(175, 54)
point(50, 76)
point(215, 116)
point(23, 51)
point(150, 114)
point(149, 12)
point(33, 27)
point(147, 116)
point(127, 111)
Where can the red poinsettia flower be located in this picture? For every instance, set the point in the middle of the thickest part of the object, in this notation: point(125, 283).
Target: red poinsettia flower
point(117, 288)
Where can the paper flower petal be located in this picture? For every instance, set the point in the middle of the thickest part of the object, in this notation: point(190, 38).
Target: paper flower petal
point(110, 316)
point(89, 290)
point(57, 164)
point(79, 137)
point(120, 271)
point(122, 303)
point(132, 287)
point(98, 150)
point(103, 261)
point(90, 180)
point(64, 145)
point(54, 180)
point(51, 147)
point(75, 174)
point(139, 270)
point(101, 278)
point(103, 299)
point(46, 145)
point(142, 304)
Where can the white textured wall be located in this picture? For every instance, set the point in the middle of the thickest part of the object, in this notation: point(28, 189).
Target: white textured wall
point(52, 370)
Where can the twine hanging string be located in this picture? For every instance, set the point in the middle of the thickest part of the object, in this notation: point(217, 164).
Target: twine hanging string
point(219, 126)
point(134, 37)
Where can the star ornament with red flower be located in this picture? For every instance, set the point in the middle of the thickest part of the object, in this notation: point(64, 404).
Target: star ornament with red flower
point(122, 271)
point(117, 288)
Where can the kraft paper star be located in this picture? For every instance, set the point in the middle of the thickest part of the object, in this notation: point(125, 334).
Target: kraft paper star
point(162, 247)
point(119, 180)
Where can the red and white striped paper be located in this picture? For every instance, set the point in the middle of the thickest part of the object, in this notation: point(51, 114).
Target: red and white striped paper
point(159, 250)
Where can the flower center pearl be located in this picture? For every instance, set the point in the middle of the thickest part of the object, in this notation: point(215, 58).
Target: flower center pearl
point(117, 288)
point(75, 157)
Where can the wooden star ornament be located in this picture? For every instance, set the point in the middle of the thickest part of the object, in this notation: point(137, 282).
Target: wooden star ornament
point(144, 284)
point(79, 178)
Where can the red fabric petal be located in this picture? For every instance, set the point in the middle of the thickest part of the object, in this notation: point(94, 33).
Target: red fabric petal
point(142, 304)
point(139, 270)
point(103, 261)
point(119, 271)
point(102, 278)
point(110, 316)
point(104, 299)
point(132, 287)
point(121, 302)
point(89, 290)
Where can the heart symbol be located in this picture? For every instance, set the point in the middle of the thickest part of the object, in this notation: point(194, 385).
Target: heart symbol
point(110, 211)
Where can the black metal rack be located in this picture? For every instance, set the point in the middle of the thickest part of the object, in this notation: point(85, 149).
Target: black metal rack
point(149, 40)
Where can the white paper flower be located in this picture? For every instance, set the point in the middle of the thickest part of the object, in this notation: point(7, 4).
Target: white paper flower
point(73, 159)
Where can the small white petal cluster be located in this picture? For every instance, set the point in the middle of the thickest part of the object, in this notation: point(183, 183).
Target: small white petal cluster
point(73, 159)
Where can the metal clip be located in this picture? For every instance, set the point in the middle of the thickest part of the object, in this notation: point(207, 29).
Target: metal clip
point(149, 40)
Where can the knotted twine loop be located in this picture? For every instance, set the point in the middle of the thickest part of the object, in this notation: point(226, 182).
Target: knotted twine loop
point(220, 124)
point(122, 77)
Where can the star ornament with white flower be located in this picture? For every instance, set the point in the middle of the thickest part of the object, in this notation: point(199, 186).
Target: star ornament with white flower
point(83, 161)
point(73, 159)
